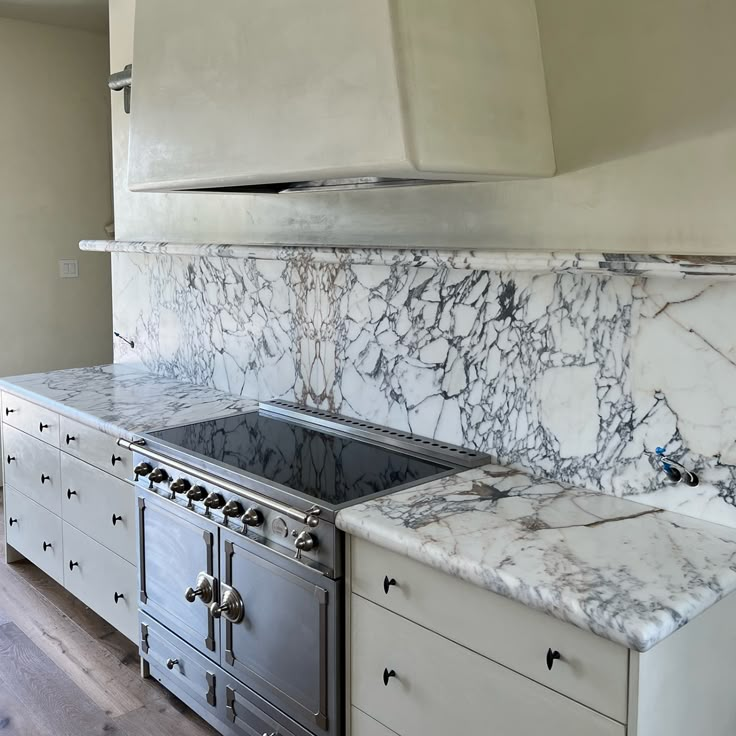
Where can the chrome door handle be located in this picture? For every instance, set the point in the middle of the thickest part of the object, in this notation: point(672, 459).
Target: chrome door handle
point(204, 589)
point(231, 607)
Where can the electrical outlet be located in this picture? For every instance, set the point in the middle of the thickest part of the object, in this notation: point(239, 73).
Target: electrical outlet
point(68, 269)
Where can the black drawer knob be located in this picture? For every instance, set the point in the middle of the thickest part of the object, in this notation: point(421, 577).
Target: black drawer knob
point(70, 493)
point(119, 597)
point(70, 439)
point(387, 675)
point(387, 584)
point(42, 426)
point(116, 519)
point(8, 412)
point(11, 458)
point(44, 478)
point(171, 663)
point(72, 565)
point(115, 459)
point(47, 545)
point(551, 657)
point(12, 521)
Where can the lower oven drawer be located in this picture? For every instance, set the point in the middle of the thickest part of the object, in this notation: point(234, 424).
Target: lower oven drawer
point(175, 663)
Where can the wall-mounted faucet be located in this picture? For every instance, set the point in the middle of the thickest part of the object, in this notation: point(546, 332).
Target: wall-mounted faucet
point(674, 470)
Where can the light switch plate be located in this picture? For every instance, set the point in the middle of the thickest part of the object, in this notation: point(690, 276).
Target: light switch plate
point(69, 269)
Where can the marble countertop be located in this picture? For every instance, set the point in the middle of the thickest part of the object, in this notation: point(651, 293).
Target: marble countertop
point(124, 400)
point(625, 571)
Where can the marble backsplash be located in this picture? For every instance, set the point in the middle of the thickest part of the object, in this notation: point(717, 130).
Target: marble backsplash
point(575, 376)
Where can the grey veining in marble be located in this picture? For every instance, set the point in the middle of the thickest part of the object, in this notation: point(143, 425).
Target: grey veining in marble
point(632, 264)
point(574, 376)
point(122, 400)
point(625, 571)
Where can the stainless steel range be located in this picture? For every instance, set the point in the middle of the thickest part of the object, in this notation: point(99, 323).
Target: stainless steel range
point(241, 565)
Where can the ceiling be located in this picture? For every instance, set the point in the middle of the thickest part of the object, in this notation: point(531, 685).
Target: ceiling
point(90, 15)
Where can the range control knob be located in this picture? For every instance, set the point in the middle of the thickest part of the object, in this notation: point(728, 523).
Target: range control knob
point(196, 493)
point(180, 485)
point(159, 475)
point(252, 517)
point(214, 501)
point(143, 469)
point(232, 508)
point(305, 542)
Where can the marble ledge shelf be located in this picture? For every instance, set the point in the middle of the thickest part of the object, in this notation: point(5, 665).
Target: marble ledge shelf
point(624, 264)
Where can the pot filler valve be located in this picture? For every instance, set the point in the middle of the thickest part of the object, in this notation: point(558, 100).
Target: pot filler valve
point(674, 470)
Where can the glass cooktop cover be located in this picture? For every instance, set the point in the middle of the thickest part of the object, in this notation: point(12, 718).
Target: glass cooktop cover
point(331, 468)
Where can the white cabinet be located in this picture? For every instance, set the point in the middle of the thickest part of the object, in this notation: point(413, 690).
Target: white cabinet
point(432, 655)
point(68, 511)
point(286, 91)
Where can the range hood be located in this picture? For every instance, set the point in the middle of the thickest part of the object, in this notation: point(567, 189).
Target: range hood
point(323, 95)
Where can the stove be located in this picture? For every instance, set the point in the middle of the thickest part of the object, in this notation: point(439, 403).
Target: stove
point(240, 559)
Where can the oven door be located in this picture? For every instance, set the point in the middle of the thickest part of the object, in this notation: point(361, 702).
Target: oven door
point(287, 646)
point(177, 548)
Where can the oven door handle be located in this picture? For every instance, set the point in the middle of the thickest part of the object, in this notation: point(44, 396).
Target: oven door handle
point(310, 518)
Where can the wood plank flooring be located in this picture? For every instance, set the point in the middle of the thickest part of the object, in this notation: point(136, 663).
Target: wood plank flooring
point(65, 671)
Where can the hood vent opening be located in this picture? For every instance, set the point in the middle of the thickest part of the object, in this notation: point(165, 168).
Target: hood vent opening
point(328, 185)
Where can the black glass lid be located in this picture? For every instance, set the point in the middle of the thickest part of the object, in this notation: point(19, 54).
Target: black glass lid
point(331, 468)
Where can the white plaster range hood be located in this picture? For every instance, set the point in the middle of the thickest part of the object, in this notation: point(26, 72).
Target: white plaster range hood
point(289, 95)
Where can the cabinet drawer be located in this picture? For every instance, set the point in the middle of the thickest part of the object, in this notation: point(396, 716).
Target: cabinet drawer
point(173, 661)
point(105, 582)
point(32, 419)
point(95, 447)
point(592, 670)
point(100, 505)
point(364, 725)
point(35, 532)
point(441, 688)
point(32, 467)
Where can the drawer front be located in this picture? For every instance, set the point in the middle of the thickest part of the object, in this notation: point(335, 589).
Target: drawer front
point(592, 670)
point(364, 725)
point(95, 447)
point(174, 661)
point(35, 532)
point(32, 419)
point(104, 581)
point(100, 505)
point(435, 687)
point(32, 467)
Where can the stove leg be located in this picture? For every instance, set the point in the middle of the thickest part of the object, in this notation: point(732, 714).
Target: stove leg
point(145, 669)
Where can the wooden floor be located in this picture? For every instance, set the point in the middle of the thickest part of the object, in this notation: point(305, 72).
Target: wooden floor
point(66, 672)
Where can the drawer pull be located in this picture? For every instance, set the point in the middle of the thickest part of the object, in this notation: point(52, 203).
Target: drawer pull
point(388, 583)
point(47, 545)
point(115, 459)
point(116, 519)
point(8, 412)
point(551, 657)
point(387, 675)
point(72, 565)
point(44, 478)
point(42, 426)
point(70, 439)
point(12, 521)
point(11, 458)
point(171, 663)
point(70, 493)
point(119, 597)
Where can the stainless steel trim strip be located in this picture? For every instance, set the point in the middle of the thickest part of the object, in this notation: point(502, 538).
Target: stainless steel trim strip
point(142, 550)
point(280, 508)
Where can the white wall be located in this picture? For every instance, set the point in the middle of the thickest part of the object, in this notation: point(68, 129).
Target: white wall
point(644, 116)
point(55, 189)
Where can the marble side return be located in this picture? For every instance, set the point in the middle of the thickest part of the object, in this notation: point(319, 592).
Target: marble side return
point(622, 570)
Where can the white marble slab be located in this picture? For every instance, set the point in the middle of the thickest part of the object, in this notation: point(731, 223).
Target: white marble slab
point(631, 264)
point(123, 400)
point(628, 572)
